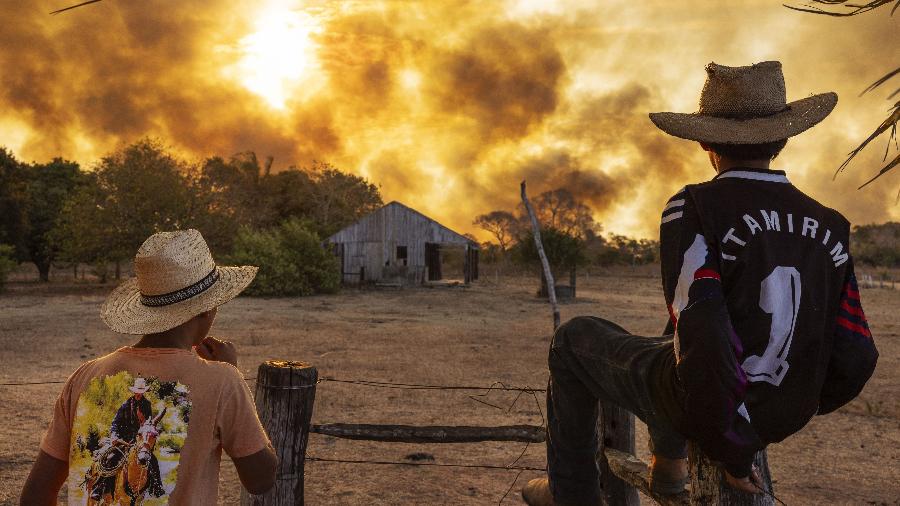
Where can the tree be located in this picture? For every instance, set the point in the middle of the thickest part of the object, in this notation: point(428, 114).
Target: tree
point(12, 196)
point(47, 187)
point(233, 189)
point(31, 201)
point(560, 210)
point(563, 250)
point(890, 123)
point(877, 245)
point(133, 193)
point(338, 199)
point(622, 250)
point(252, 196)
point(501, 224)
point(7, 262)
point(291, 260)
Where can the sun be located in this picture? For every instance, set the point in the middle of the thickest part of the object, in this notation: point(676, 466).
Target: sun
point(278, 54)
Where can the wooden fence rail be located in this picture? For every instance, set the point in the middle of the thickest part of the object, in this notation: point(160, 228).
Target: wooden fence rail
point(432, 433)
point(285, 395)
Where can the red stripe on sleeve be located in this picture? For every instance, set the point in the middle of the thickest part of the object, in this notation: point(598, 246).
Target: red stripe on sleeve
point(856, 311)
point(859, 329)
point(706, 273)
point(851, 293)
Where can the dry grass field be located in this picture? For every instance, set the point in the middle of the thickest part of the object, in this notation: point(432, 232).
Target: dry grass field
point(453, 336)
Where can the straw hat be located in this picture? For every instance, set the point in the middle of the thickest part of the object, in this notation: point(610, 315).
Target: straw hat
point(140, 386)
point(746, 105)
point(175, 280)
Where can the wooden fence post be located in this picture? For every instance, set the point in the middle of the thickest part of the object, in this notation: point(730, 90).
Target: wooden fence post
point(285, 392)
point(615, 429)
point(708, 486)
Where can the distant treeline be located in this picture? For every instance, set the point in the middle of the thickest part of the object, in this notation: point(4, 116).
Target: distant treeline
point(570, 235)
point(58, 213)
point(876, 245)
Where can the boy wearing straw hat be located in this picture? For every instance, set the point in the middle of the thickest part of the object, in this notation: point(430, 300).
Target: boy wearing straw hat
point(150, 421)
point(766, 328)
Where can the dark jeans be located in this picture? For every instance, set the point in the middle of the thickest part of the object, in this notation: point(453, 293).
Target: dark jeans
point(592, 359)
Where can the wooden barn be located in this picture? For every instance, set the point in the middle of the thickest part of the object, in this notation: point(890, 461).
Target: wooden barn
point(399, 245)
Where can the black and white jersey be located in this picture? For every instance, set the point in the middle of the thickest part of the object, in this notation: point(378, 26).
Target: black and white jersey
point(765, 311)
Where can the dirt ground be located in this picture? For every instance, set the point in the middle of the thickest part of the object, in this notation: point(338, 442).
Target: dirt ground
point(452, 336)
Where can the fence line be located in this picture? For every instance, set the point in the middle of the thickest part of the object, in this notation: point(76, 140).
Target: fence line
point(486, 390)
point(367, 383)
point(433, 464)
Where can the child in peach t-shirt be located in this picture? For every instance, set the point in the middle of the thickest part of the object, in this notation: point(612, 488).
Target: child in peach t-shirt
point(149, 422)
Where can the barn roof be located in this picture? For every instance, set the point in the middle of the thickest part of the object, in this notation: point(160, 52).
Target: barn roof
point(448, 235)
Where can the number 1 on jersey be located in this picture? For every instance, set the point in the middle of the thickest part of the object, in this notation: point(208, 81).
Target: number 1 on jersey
point(779, 295)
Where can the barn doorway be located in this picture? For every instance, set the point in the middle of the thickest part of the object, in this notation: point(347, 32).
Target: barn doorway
point(451, 263)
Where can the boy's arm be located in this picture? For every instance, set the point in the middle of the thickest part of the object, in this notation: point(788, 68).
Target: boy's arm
point(707, 350)
point(853, 353)
point(243, 437)
point(44, 481)
point(257, 471)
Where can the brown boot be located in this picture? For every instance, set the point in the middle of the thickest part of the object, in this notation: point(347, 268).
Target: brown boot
point(537, 493)
point(668, 476)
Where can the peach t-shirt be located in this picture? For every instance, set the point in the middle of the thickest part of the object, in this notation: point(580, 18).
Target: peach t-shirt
point(170, 413)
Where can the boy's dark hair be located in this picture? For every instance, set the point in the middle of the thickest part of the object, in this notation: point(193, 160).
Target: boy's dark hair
point(766, 151)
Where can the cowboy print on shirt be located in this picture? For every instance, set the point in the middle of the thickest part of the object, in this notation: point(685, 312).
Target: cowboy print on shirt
point(126, 440)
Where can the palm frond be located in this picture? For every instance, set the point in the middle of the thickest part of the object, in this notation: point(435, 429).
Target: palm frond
point(889, 123)
point(882, 81)
point(75, 6)
point(854, 8)
point(884, 170)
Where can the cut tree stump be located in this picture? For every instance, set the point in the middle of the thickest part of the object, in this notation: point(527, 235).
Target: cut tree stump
point(708, 486)
point(285, 392)
point(636, 472)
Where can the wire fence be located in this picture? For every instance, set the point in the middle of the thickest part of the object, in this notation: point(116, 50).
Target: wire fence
point(369, 383)
point(497, 386)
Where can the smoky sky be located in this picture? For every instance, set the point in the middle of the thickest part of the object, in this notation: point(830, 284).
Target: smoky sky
point(447, 105)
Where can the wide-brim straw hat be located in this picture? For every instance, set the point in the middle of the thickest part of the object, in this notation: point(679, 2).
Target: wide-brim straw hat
point(175, 280)
point(746, 105)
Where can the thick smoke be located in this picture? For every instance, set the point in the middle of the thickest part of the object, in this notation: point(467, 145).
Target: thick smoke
point(446, 104)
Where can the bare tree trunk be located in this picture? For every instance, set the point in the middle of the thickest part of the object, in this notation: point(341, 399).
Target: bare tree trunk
point(551, 287)
point(43, 271)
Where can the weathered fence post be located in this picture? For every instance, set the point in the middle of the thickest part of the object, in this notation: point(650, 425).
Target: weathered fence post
point(285, 392)
point(708, 486)
point(548, 274)
point(615, 429)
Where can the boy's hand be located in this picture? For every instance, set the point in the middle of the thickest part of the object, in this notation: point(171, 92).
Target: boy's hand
point(218, 350)
point(751, 484)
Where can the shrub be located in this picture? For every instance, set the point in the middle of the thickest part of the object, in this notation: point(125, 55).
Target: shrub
point(7, 262)
point(291, 260)
point(563, 250)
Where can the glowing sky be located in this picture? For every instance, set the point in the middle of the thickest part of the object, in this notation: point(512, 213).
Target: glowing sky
point(446, 104)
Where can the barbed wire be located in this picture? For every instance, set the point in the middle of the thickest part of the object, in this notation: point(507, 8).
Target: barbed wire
point(497, 386)
point(368, 383)
point(434, 464)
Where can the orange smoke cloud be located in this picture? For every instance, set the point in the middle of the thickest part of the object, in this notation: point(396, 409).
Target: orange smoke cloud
point(447, 105)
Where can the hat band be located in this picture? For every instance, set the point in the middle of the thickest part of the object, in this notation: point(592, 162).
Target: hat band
point(745, 114)
point(183, 294)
